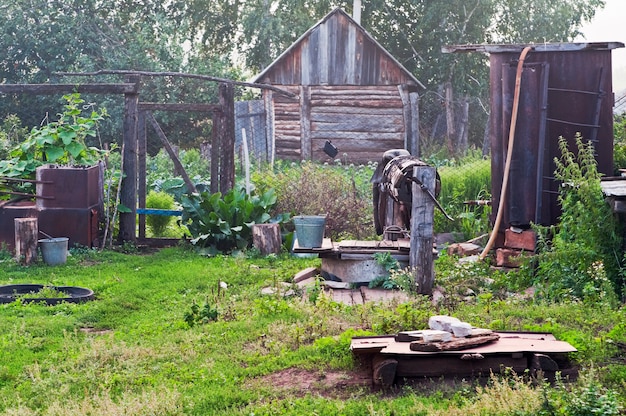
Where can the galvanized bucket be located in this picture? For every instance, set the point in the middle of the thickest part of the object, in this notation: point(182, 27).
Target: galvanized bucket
point(54, 250)
point(309, 230)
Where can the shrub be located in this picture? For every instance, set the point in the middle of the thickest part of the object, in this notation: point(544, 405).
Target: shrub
point(579, 258)
point(224, 223)
point(343, 193)
point(158, 223)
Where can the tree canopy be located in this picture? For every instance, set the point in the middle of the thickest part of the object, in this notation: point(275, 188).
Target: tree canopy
point(237, 38)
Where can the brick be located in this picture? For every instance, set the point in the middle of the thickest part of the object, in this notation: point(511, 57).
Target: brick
point(463, 249)
point(506, 257)
point(526, 240)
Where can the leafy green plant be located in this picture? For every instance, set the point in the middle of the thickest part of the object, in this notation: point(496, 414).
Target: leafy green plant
point(224, 223)
point(580, 258)
point(46, 292)
point(200, 314)
point(159, 200)
point(61, 142)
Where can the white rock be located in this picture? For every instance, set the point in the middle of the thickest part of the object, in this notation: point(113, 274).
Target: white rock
point(433, 335)
point(442, 322)
point(461, 329)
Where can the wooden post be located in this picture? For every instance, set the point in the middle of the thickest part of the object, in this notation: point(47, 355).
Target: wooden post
point(266, 237)
point(227, 139)
point(306, 148)
point(26, 239)
point(128, 192)
point(216, 132)
point(422, 212)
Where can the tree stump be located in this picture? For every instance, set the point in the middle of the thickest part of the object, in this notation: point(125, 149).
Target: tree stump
point(266, 238)
point(26, 238)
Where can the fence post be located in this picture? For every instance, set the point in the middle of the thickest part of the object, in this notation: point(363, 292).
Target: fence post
point(227, 139)
point(422, 213)
point(128, 191)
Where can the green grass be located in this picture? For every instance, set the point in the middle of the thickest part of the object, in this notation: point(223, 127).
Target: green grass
point(131, 352)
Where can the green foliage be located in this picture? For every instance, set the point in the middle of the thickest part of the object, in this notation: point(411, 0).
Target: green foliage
point(343, 193)
point(61, 141)
point(161, 175)
point(619, 143)
point(11, 133)
point(580, 258)
point(224, 223)
point(586, 397)
point(263, 354)
point(468, 179)
point(396, 278)
point(200, 314)
point(159, 200)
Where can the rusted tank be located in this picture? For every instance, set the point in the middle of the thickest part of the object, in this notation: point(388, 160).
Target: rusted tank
point(68, 203)
point(566, 88)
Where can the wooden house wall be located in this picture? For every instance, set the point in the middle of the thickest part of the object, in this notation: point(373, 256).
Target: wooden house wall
point(362, 122)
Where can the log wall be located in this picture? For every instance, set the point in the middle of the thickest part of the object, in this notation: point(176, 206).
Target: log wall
point(361, 121)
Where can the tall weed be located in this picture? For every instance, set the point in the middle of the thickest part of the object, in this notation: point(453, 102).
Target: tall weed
point(580, 258)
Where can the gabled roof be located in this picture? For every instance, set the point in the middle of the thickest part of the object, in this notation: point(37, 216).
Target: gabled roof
point(336, 51)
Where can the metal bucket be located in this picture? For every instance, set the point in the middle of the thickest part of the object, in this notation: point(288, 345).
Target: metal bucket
point(309, 230)
point(54, 250)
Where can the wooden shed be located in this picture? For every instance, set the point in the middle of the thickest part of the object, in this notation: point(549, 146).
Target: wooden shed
point(350, 91)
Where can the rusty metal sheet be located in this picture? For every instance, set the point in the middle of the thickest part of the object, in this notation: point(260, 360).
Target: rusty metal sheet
point(506, 344)
point(509, 342)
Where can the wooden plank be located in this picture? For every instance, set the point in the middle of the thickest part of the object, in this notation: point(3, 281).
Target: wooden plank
point(422, 213)
point(124, 88)
point(358, 103)
point(457, 344)
point(142, 152)
point(305, 121)
point(179, 107)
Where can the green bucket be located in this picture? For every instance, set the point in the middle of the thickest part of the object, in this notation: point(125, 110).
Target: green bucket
point(309, 230)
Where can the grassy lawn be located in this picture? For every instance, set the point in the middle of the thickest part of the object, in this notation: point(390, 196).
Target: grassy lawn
point(141, 348)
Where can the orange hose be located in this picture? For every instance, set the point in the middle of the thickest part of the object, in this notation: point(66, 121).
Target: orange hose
point(509, 153)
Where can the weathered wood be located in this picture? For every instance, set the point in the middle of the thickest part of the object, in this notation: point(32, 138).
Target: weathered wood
point(413, 124)
point(126, 88)
point(383, 370)
point(227, 139)
point(26, 238)
point(170, 151)
point(457, 344)
point(305, 122)
point(215, 152)
point(422, 213)
point(128, 189)
point(179, 75)
point(205, 108)
point(266, 238)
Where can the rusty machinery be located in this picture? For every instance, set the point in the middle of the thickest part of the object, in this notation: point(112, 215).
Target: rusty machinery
point(392, 184)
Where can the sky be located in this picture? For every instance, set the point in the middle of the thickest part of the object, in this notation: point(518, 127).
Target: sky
point(608, 25)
